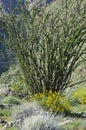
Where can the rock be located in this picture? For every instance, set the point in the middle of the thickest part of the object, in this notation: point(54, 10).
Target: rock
point(10, 124)
point(66, 122)
point(84, 115)
point(3, 106)
point(4, 85)
point(4, 91)
point(3, 122)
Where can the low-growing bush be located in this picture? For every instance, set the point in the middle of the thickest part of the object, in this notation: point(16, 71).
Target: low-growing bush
point(78, 124)
point(15, 79)
point(5, 112)
point(79, 96)
point(33, 117)
point(53, 102)
point(40, 122)
point(25, 110)
point(12, 128)
point(12, 100)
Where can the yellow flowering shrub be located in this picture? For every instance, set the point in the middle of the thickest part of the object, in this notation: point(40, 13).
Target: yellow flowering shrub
point(53, 102)
point(80, 95)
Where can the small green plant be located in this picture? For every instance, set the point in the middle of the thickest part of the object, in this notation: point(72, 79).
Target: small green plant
point(18, 85)
point(12, 100)
point(53, 102)
point(10, 75)
point(79, 96)
point(12, 128)
point(15, 79)
point(5, 112)
point(79, 124)
point(72, 126)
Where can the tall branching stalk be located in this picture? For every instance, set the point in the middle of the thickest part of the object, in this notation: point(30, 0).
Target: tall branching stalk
point(49, 42)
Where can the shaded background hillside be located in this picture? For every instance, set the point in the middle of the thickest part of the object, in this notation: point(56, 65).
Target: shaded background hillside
point(6, 55)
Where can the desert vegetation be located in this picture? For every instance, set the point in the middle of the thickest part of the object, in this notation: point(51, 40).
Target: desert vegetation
point(45, 89)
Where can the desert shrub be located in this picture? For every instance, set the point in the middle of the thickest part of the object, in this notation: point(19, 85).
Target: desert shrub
point(14, 77)
point(11, 100)
point(79, 124)
point(11, 75)
point(5, 112)
point(26, 109)
point(40, 122)
point(12, 128)
point(19, 86)
point(35, 118)
point(53, 102)
point(79, 96)
point(48, 42)
point(83, 125)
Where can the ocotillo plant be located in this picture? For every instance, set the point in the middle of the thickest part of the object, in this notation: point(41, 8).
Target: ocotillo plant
point(49, 42)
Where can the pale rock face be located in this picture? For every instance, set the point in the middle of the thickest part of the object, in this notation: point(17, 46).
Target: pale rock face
point(4, 89)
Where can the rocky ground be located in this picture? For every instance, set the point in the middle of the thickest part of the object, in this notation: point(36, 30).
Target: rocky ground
point(8, 102)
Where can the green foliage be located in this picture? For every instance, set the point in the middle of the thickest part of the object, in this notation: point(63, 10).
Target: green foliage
point(12, 100)
point(18, 85)
point(73, 126)
point(12, 128)
point(78, 124)
point(79, 96)
point(5, 112)
point(53, 102)
point(10, 75)
point(48, 42)
point(15, 79)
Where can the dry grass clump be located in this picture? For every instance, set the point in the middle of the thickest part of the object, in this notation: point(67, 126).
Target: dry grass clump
point(40, 122)
point(33, 117)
